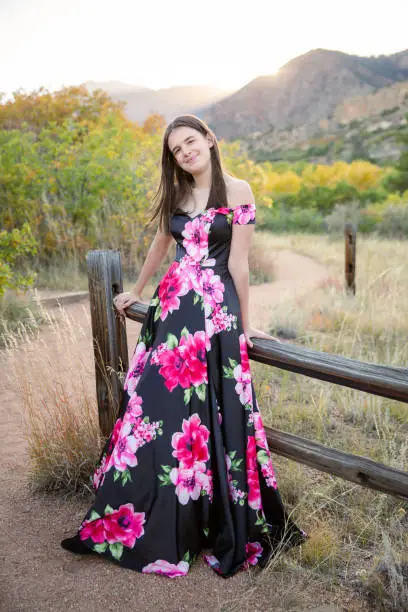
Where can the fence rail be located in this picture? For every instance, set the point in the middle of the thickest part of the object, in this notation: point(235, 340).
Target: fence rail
point(381, 380)
point(110, 349)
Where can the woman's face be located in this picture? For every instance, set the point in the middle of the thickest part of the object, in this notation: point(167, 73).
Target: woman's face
point(190, 149)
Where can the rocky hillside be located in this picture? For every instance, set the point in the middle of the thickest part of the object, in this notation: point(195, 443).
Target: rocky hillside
point(381, 102)
point(305, 91)
point(364, 127)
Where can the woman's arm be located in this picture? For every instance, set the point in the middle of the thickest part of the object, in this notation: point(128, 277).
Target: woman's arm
point(238, 264)
point(155, 255)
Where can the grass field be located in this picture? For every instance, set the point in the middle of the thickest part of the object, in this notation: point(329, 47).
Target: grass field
point(354, 530)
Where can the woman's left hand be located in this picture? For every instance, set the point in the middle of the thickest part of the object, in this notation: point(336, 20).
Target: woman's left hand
point(257, 333)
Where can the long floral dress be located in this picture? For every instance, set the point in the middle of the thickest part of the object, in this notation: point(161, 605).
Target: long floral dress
point(187, 467)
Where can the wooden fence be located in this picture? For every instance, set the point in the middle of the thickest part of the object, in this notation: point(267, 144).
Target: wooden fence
point(111, 360)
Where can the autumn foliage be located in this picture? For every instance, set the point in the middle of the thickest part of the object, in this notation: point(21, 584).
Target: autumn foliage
point(79, 175)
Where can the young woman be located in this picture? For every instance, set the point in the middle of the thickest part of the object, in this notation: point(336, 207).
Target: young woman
point(187, 467)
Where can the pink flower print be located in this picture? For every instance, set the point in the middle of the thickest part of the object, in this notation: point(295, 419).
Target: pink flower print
point(156, 355)
point(124, 525)
point(195, 239)
point(243, 349)
point(209, 327)
point(99, 474)
point(194, 273)
point(235, 494)
point(166, 569)
point(189, 482)
point(243, 386)
point(208, 485)
point(209, 214)
point(114, 436)
point(133, 410)
point(254, 491)
point(124, 453)
point(264, 456)
point(194, 349)
point(212, 562)
point(243, 214)
point(174, 368)
point(217, 320)
point(171, 287)
point(260, 435)
point(190, 445)
point(213, 288)
point(269, 474)
point(136, 367)
point(253, 550)
point(95, 530)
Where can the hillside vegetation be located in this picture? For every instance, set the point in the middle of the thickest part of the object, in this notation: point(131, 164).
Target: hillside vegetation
point(76, 174)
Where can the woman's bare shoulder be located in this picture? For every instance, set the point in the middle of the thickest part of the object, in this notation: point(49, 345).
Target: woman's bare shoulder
point(238, 192)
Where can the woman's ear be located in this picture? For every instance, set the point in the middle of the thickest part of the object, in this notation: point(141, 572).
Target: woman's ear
point(210, 141)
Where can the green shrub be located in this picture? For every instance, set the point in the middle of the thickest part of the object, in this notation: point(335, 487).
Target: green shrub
point(15, 246)
point(394, 223)
point(280, 219)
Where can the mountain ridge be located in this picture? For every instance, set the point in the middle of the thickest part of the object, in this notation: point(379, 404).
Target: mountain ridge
point(305, 90)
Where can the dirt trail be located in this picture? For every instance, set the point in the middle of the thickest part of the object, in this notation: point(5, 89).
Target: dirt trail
point(294, 274)
point(36, 574)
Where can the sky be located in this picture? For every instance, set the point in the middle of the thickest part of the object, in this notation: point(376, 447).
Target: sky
point(163, 43)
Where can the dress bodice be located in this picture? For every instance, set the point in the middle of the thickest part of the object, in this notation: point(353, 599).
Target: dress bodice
point(206, 238)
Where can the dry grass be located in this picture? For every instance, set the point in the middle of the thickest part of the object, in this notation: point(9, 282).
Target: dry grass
point(353, 529)
point(260, 259)
point(59, 404)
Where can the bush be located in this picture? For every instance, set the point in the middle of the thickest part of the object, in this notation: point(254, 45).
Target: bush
point(18, 312)
point(342, 214)
point(394, 223)
point(280, 219)
point(15, 246)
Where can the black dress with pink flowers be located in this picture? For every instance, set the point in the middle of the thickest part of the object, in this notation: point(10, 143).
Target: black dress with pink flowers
point(187, 467)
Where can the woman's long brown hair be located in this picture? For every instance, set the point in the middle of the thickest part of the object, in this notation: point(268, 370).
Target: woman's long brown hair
point(176, 183)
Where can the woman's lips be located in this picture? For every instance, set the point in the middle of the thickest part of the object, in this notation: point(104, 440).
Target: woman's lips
point(191, 160)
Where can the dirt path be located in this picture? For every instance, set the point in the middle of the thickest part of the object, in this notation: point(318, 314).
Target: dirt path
point(293, 275)
point(36, 574)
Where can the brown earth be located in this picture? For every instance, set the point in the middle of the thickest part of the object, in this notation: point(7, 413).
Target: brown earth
point(36, 574)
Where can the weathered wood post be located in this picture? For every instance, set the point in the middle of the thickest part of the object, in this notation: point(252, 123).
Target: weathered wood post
point(350, 268)
point(108, 333)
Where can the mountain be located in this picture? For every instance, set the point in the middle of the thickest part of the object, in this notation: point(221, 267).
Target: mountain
point(142, 101)
point(365, 127)
point(305, 91)
point(400, 59)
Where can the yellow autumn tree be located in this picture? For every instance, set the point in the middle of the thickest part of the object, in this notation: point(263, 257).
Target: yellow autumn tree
point(364, 175)
point(154, 123)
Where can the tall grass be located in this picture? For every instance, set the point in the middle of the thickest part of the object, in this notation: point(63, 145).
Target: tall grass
point(18, 314)
point(358, 536)
point(54, 374)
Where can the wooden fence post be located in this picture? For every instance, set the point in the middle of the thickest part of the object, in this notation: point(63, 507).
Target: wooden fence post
point(108, 332)
point(350, 269)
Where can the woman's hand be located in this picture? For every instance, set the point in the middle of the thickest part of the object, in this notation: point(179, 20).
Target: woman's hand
point(257, 333)
point(126, 299)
